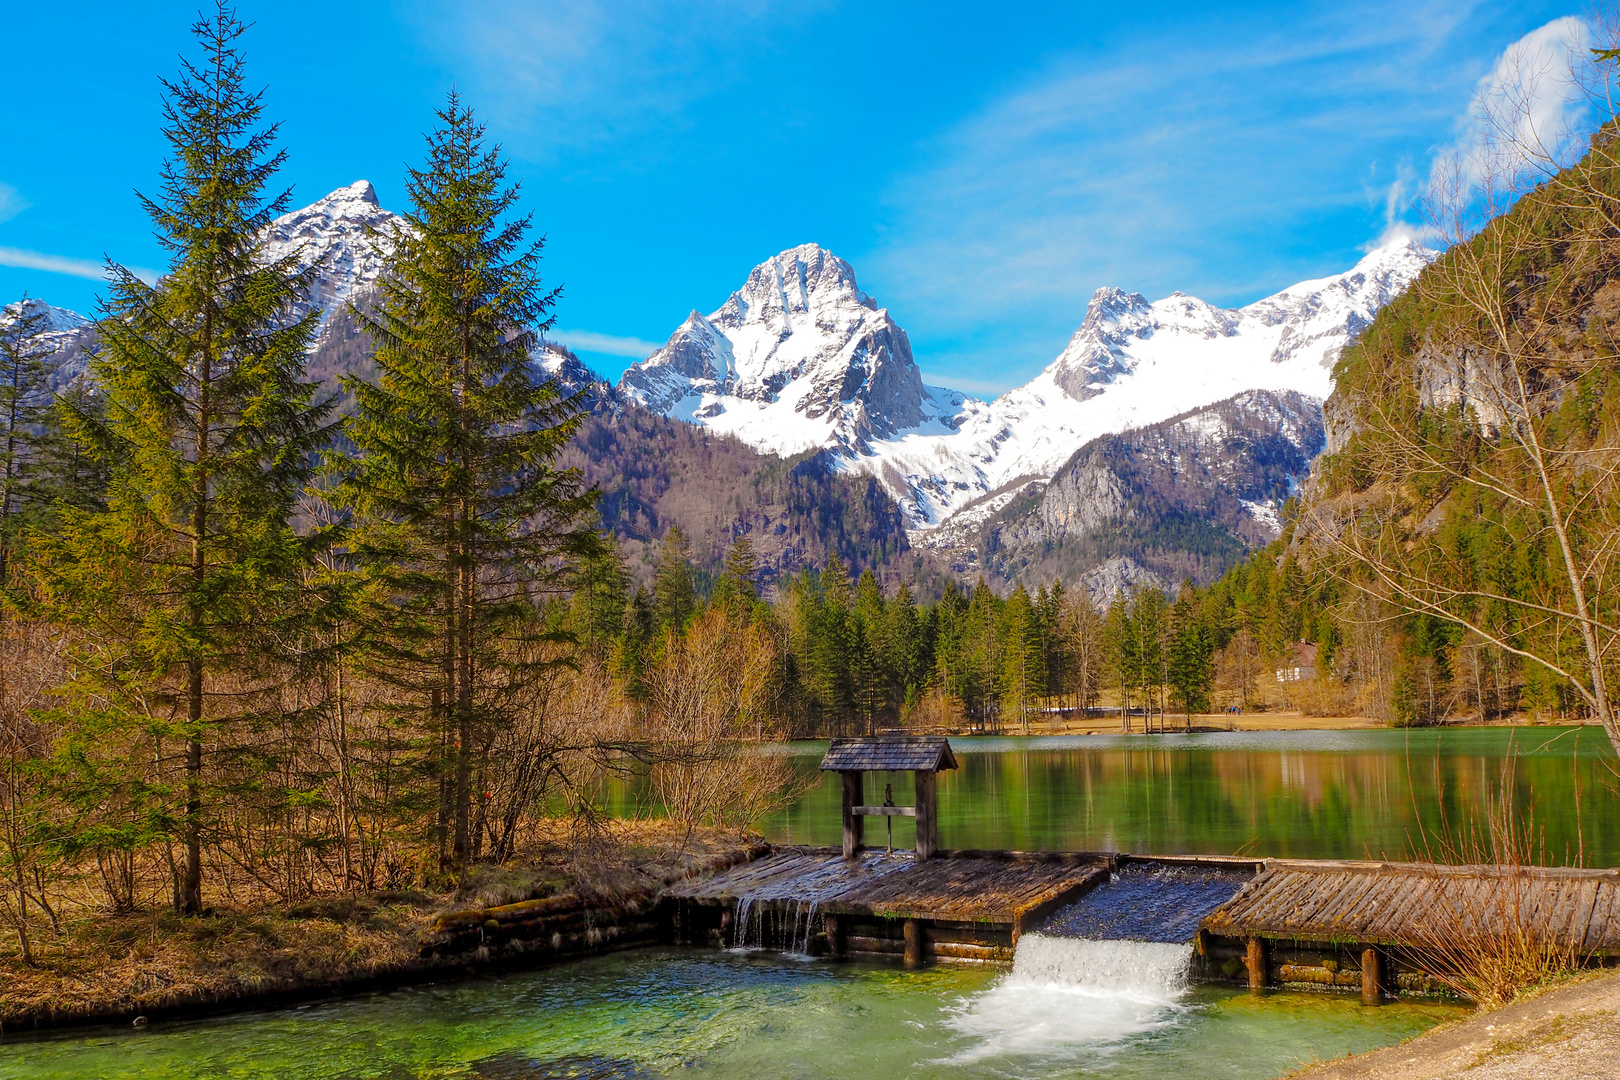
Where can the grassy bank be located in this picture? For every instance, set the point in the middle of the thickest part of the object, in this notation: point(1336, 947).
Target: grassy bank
point(115, 968)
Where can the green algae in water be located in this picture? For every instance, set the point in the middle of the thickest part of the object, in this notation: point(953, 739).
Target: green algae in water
point(661, 1013)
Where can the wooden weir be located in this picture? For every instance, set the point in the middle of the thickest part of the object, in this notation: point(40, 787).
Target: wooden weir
point(958, 905)
point(1366, 925)
point(1352, 926)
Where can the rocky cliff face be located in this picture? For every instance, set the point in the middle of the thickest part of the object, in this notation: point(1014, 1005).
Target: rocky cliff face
point(1185, 497)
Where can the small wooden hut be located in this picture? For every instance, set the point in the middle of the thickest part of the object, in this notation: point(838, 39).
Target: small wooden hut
point(924, 755)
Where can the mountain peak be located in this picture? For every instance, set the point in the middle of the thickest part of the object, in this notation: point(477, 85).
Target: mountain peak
point(796, 359)
point(339, 236)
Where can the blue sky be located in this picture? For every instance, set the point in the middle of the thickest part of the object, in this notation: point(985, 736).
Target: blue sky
point(983, 167)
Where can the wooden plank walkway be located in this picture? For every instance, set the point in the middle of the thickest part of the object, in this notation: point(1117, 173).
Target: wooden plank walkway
point(1408, 904)
point(1004, 890)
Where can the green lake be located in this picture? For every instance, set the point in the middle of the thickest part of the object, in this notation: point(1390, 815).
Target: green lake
point(1371, 794)
point(1112, 1011)
point(663, 1013)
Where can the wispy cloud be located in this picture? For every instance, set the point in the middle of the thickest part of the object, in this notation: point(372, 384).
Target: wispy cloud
point(574, 72)
point(62, 264)
point(1165, 167)
point(11, 202)
point(606, 344)
point(56, 264)
point(1529, 109)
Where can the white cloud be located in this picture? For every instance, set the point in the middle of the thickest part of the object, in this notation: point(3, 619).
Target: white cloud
point(62, 264)
point(11, 202)
point(55, 264)
point(1528, 110)
point(607, 344)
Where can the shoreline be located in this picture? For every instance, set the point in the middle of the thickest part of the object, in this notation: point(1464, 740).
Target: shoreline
point(110, 971)
point(1563, 1030)
point(1278, 720)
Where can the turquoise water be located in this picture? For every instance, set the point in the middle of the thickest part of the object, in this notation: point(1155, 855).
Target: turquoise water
point(667, 1013)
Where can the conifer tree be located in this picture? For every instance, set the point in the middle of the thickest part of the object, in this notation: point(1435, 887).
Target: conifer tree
point(24, 402)
point(69, 473)
point(462, 517)
point(674, 584)
point(737, 581)
point(190, 578)
point(601, 598)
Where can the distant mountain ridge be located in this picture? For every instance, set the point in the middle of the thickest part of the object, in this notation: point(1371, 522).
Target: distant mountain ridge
point(800, 363)
point(1186, 497)
point(801, 357)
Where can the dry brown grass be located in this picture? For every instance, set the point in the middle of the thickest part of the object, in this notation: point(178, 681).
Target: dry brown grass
point(1484, 934)
point(103, 966)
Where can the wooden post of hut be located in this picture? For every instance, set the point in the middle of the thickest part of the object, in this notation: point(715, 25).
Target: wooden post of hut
point(923, 755)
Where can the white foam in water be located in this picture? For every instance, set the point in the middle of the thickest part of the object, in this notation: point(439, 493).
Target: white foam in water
point(1070, 994)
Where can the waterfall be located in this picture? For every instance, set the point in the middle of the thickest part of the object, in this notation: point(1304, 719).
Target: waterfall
point(1142, 969)
point(1073, 996)
point(739, 930)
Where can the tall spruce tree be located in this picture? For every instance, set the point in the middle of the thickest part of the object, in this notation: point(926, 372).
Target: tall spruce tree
point(189, 580)
point(675, 584)
point(25, 399)
point(462, 518)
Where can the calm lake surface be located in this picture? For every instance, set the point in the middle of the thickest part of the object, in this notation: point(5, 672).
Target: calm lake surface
point(662, 1013)
point(1306, 794)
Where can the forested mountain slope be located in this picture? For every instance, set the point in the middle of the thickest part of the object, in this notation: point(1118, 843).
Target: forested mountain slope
point(655, 473)
point(1455, 549)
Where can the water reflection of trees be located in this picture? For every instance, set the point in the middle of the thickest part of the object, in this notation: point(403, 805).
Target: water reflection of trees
point(1376, 804)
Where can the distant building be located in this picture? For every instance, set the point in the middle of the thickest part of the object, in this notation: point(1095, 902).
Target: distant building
point(1301, 661)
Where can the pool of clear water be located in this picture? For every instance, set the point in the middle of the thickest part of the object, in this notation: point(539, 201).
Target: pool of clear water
point(1303, 794)
point(666, 1013)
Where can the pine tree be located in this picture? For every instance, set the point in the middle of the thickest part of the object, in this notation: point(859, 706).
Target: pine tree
point(601, 598)
point(1192, 655)
point(737, 581)
point(71, 472)
point(1022, 668)
point(191, 576)
point(462, 517)
point(24, 402)
point(674, 585)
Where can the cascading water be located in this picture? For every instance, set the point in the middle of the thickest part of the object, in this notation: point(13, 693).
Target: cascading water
point(1112, 965)
point(759, 924)
point(1073, 996)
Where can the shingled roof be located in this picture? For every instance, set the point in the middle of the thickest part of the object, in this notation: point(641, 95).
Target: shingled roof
point(890, 753)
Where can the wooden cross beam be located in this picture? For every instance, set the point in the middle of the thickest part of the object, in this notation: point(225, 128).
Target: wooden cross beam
point(883, 811)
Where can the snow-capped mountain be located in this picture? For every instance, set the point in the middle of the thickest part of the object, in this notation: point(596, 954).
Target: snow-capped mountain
point(1116, 515)
point(56, 320)
point(800, 358)
point(1134, 363)
point(339, 236)
point(797, 359)
point(61, 332)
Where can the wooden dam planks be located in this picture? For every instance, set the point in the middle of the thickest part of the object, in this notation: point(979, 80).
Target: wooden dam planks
point(1410, 903)
point(898, 887)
